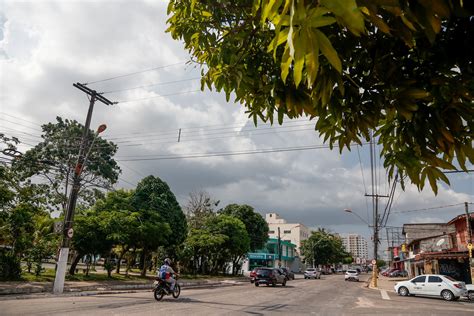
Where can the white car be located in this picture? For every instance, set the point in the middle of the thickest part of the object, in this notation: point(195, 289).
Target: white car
point(470, 291)
point(312, 273)
point(432, 285)
point(351, 275)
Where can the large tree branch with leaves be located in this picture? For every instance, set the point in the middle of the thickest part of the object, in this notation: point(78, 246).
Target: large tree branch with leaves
point(56, 156)
point(400, 69)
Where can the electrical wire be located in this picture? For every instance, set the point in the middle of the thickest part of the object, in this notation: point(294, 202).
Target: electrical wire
point(150, 85)
point(428, 208)
point(155, 97)
point(135, 73)
point(230, 153)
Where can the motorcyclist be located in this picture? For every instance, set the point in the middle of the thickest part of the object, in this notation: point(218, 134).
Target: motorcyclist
point(167, 273)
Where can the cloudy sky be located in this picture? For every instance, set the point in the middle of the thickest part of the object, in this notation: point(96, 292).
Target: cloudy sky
point(46, 46)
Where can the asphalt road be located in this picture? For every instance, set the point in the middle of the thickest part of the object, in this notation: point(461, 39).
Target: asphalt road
point(329, 296)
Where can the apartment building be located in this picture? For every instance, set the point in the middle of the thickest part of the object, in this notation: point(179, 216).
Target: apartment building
point(290, 232)
point(356, 245)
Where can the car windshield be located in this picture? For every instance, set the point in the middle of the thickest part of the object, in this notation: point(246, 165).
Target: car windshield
point(352, 271)
point(310, 269)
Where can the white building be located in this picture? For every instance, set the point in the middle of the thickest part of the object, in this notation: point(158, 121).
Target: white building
point(356, 245)
point(292, 232)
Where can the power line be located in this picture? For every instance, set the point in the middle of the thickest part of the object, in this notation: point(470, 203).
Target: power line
point(151, 85)
point(16, 123)
point(198, 136)
point(135, 73)
point(206, 127)
point(19, 118)
point(157, 96)
point(230, 153)
point(429, 208)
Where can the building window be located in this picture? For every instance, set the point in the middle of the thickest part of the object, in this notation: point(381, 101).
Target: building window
point(271, 231)
point(287, 232)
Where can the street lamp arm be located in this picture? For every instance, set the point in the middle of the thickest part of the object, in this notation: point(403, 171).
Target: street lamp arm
point(352, 212)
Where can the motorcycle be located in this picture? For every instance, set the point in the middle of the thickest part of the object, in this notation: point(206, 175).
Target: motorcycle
point(162, 288)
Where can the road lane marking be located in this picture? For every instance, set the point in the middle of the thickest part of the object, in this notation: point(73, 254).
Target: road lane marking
point(384, 295)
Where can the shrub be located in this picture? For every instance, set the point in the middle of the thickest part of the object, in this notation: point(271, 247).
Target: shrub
point(10, 268)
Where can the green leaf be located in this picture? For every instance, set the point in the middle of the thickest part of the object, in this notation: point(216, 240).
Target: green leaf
point(285, 63)
point(311, 57)
point(328, 50)
point(348, 13)
point(321, 21)
point(300, 50)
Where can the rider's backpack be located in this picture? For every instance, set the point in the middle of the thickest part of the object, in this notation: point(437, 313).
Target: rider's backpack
point(164, 272)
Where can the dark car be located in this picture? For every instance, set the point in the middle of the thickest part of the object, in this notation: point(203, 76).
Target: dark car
point(269, 276)
point(289, 275)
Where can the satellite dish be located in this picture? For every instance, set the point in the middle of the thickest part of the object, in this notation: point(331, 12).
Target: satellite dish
point(440, 242)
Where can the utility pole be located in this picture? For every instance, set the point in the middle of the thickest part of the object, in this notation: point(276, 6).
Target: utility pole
point(76, 185)
point(376, 236)
point(279, 248)
point(469, 245)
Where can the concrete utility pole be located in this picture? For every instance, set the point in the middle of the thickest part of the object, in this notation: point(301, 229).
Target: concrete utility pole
point(279, 248)
point(76, 185)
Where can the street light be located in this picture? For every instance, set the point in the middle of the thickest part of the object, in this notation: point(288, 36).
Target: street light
point(375, 238)
point(348, 210)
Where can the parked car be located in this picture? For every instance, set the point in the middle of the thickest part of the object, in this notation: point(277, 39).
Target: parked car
point(312, 273)
point(252, 275)
point(351, 275)
point(387, 272)
point(289, 274)
point(394, 273)
point(432, 285)
point(470, 291)
point(401, 273)
point(269, 276)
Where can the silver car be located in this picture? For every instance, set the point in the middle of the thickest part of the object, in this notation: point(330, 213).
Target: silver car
point(432, 285)
point(351, 275)
point(312, 273)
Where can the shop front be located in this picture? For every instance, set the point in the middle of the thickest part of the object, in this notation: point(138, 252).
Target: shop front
point(260, 260)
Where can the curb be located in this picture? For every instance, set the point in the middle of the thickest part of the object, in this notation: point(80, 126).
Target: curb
point(129, 288)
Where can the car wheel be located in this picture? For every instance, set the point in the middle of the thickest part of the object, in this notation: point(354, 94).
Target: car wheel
point(403, 291)
point(470, 295)
point(447, 295)
point(256, 284)
point(284, 283)
point(273, 284)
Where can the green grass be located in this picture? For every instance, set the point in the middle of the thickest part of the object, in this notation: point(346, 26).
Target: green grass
point(48, 276)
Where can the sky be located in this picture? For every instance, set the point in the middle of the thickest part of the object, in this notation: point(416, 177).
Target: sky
point(46, 46)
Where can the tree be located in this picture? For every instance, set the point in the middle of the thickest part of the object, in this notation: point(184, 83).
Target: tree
point(323, 247)
point(90, 236)
point(402, 69)
point(237, 243)
point(255, 224)
point(198, 208)
point(55, 160)
point(154, 195)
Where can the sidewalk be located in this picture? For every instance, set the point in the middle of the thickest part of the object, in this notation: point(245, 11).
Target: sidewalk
point(14, 288)
point(385, 283)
